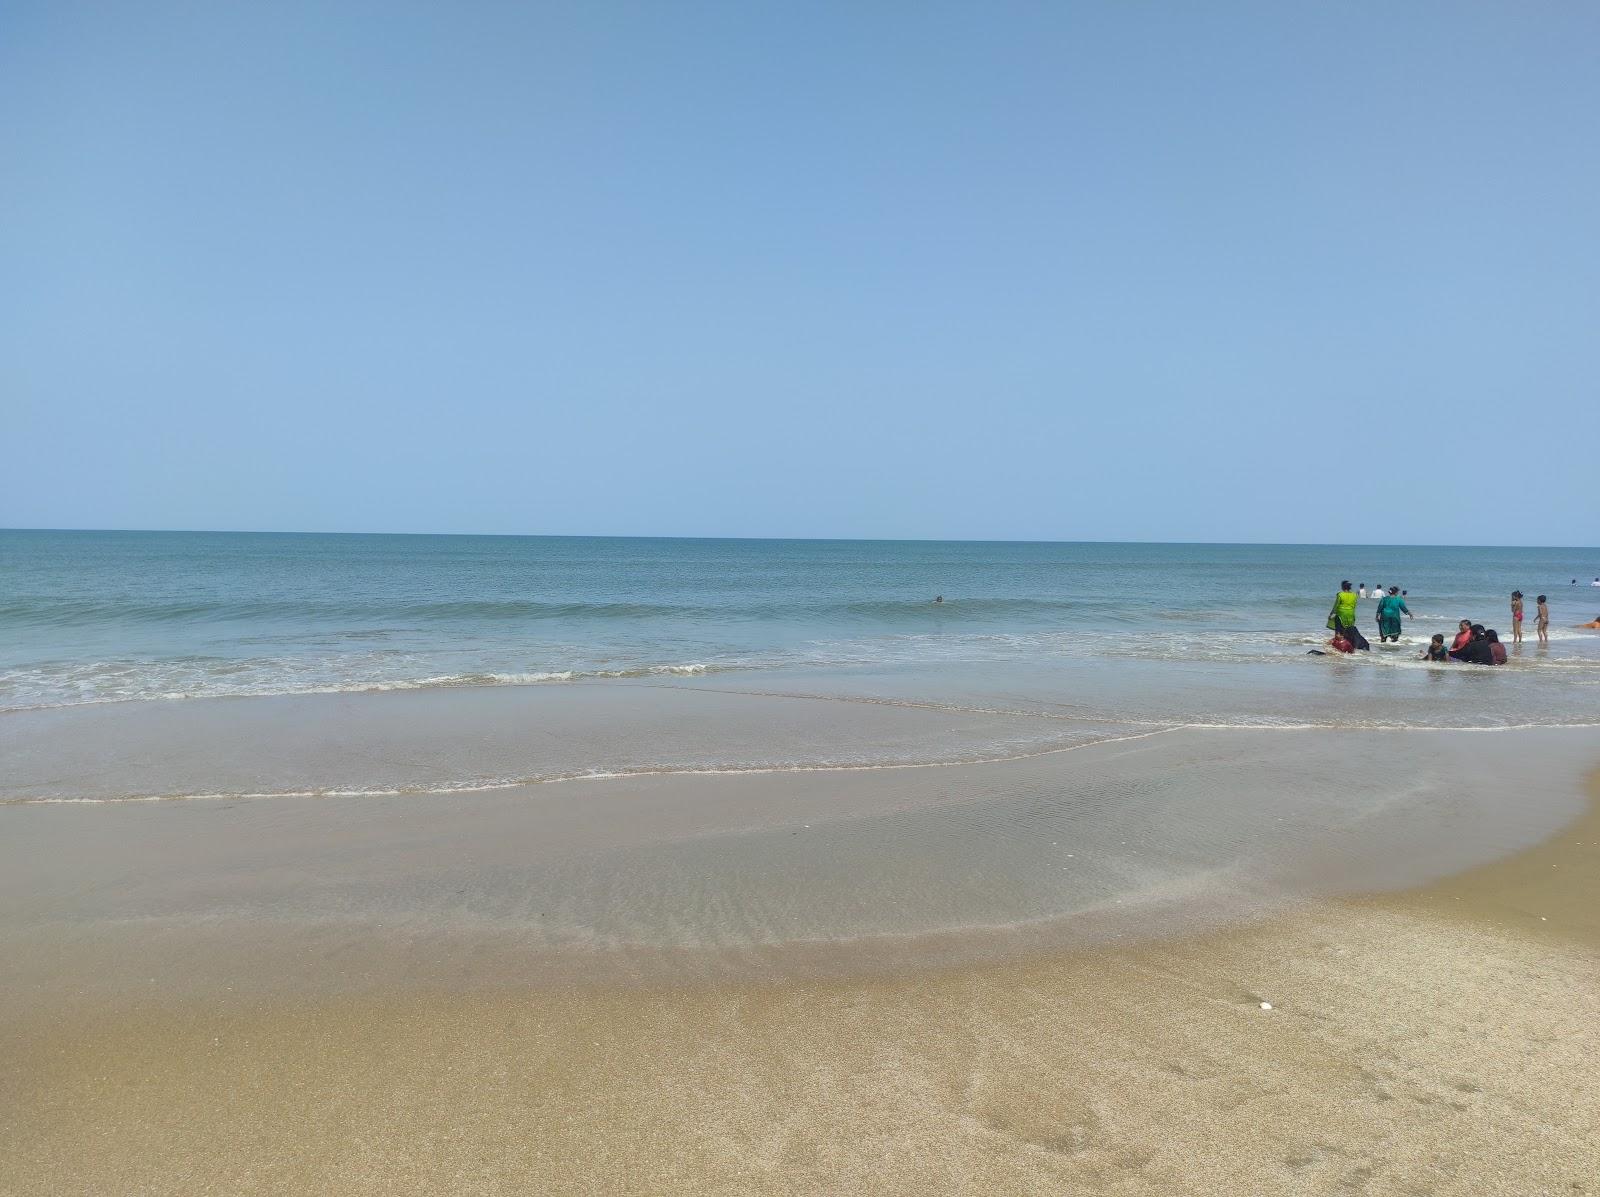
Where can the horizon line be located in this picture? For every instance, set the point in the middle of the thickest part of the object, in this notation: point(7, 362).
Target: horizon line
point(827, 539)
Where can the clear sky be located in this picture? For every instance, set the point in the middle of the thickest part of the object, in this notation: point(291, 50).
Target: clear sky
point(1277, 271)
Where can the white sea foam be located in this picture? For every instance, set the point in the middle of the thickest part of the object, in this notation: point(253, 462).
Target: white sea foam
point(35, 687)
point(69, 682)
point(472, 786)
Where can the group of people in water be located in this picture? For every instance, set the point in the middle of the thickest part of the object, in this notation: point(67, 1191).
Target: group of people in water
point(1347, 638)
point(1474, 644)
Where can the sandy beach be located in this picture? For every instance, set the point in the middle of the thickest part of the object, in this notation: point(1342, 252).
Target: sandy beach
point(1438, 1040)
point(825, 600)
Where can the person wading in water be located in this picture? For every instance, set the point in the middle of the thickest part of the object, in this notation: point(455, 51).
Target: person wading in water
point(1390, 607)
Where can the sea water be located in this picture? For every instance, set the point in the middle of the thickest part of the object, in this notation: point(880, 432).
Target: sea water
point(138, 664)
point(97, 617)
point(726, 748)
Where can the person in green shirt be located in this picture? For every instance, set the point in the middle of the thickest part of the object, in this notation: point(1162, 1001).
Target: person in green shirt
point(1390, 607)
point(1343, 614)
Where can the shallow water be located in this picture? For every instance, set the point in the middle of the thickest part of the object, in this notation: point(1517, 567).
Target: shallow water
point(796, 760)
point(821, 873)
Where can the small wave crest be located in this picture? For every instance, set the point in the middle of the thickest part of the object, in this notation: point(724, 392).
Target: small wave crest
point(56, 685)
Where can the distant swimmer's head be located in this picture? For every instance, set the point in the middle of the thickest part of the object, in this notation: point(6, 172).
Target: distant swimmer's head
point(938, 598)
point(1344, 585)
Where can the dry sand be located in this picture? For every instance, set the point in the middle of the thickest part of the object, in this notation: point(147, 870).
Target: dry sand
point(1436, 1042)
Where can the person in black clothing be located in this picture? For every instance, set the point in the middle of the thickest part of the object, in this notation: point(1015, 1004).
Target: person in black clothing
point(1497, 651)
point(1476, 651)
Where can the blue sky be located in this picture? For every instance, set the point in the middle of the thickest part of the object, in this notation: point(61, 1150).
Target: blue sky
point(1281, 272)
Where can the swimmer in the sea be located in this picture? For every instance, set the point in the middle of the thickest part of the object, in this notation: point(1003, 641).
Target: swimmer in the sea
point(1541, 621)
point(1436, 651)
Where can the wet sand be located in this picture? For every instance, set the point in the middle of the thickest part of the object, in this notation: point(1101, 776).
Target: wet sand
point(1435, 1041)
point(803, 874)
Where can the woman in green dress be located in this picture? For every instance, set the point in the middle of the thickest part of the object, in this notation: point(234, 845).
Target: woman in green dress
point(1343, 614)
point(1390, 608)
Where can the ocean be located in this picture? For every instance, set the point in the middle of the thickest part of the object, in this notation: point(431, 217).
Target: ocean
point(100, 617)
point(738, 757)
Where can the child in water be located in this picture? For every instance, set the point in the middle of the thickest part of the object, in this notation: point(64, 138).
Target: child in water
point(1516, 616)
point(1541, 622)
point(1436, 651)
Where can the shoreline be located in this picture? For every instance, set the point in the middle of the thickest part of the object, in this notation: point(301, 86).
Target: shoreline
point(476, 739)
point(664, 880)
point(1550, 890)
point(1437, 1039)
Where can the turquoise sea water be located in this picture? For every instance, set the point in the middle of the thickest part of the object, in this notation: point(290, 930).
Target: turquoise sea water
point(94, 617)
